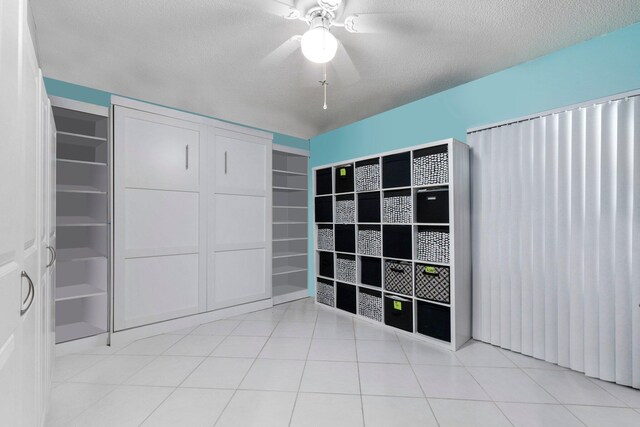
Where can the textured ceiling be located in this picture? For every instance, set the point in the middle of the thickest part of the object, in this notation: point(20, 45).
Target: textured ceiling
point(207, 56)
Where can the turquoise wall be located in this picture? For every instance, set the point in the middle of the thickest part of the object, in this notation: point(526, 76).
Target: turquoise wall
point(99, 97)
point(597, 68)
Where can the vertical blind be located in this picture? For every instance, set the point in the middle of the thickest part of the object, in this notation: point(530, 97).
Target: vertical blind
point(556, 238)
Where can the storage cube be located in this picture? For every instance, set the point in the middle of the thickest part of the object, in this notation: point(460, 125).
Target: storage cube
point(368, 175)
point(324, 184)
point(431, 165)
point(325, 237)
point(346, 297)
point(369, 207)
point(346, 268)
point(370, 304)
point(432, 206)
point(344, 179)
point(396, 170)
point(324, 293)
point(345, 209)
point(434, 320)
point(324, 209)
point(433, 244)
point(325, 264)
point(345, 236)
point(398, 277)
point(396, 241)
point(432, 282)
point(371, 271)
point(397, 207)
point(398, 312)
point(369, 240)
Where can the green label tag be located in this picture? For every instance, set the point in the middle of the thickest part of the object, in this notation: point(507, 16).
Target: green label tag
point(343, 172)
point(397, 305)
point(430, 269)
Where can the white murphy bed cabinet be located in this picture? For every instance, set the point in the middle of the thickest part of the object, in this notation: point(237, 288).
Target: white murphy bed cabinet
point(82, 223)
point(290, 254)
point(27, 234)
point(192, 219)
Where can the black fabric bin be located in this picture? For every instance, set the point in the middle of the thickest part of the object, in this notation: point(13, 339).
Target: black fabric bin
point(324, 209)
point(433, 206)
point(325, 264)
point(398, 312)
point(346, 297)
point(323, 181)
point(344, 179)
point(369, 207)
point(396, 170)
point(434, 321)
point(371, 271)
point(345, 238)
point(396, 241)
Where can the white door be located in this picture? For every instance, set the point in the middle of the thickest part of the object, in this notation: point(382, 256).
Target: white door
point(241, 163)
point(239, 277)
point(11, 183)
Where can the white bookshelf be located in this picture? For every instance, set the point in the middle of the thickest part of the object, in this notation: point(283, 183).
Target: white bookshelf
point(290, 223)
point(82, 220)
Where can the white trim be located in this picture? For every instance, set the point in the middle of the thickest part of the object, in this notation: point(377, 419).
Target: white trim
point(126, 336)
point(622, 95)
point(71, 104)
point(291, 150)
point(190, 117)
point(291, 296)
point(82, 344)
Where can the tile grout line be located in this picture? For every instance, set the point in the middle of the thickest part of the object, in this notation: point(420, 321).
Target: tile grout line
point(295, 402)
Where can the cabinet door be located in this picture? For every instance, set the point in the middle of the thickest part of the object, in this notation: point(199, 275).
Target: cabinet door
point(157, 288)
point(239, 277)
point(157, 152)
point(240, 222)
point(241, 163)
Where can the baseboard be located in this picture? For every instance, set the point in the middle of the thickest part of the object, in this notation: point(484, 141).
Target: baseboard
point(82, 344)
point(292, 296)
point(122, 338)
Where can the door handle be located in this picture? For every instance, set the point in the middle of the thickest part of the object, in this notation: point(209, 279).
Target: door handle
point(30, 295)
point(186, 156)
point(225, 162)
point(53, 254)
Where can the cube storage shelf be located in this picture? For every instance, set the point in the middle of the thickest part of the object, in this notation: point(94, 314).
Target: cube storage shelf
point(290, 223)
point(392, 240)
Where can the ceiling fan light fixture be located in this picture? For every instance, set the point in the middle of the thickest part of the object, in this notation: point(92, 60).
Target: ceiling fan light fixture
point(329, 5)
point(318, 44)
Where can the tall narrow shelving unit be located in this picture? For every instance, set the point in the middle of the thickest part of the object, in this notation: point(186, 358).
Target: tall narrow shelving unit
point(392, 242)
point(82, 220)
point(290, 240)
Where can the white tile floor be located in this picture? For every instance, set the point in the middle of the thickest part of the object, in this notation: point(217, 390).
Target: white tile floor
point(302, 365)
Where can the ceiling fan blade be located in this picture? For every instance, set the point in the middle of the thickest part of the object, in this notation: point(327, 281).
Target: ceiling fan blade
point(309, 74)
point(281, 8)
point(380, 23)
point(344, 68)
point(282, 52)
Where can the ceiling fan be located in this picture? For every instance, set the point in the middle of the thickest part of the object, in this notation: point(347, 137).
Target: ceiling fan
point(317, 44)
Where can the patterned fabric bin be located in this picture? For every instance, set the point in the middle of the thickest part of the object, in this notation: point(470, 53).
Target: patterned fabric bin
point(433, 283)
point(325, 238)
point(398, 277)
point(345, 211)
point(370, 305)
point(433, 245)
point(346, 268)
point(324, 293)
point(369, 241)
point(397, 207)
point(431, 166)
point(368, 177)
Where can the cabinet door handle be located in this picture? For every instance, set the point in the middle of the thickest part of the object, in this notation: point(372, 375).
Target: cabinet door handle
point(225, 162)
point(30, 295)
point(53, 254)
point(186, 156)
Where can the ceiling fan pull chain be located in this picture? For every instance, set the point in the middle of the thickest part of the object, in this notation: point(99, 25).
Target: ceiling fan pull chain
point(324, 85)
